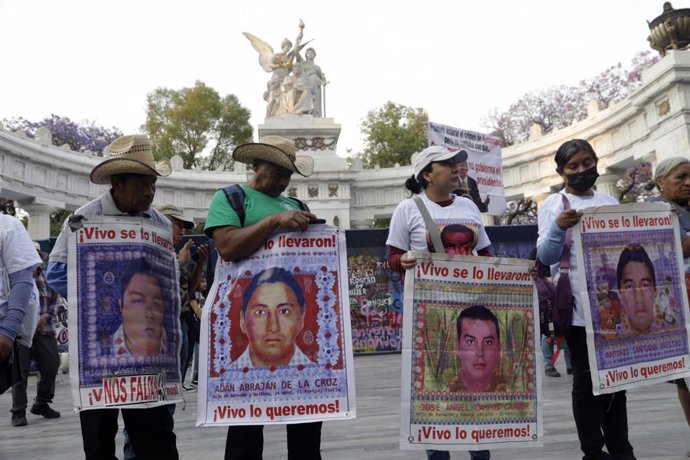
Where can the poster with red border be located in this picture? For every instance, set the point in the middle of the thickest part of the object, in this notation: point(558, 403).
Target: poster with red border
point(276, 336)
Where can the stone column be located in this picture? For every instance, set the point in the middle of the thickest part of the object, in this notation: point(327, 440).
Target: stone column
point(606, 183)
point(488, 219)
point(39, 220)
point(539, 198)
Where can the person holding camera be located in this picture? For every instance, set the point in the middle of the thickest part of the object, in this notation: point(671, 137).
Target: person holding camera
point(191, 269)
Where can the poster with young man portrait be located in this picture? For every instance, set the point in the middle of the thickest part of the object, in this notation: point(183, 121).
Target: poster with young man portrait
point(470, 377)
point(276, 334)
point(635, 295)
point(124, 279)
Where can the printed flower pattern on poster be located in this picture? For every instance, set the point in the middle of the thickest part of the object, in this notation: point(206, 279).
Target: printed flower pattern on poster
point(329, 351)
point(221, 326)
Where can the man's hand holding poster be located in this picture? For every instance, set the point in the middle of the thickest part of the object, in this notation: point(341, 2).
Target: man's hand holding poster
point(470, 379)
point(124, 292)
point(276, 334)
point(635, 298)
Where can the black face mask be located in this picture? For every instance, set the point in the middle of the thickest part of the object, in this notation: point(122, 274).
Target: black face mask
point(584, 180)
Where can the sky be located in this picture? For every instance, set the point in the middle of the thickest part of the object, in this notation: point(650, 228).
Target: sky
point(457, 59)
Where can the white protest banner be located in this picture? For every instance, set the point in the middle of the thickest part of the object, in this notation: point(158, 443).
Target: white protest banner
point(124, 302)
point(634, 295)
point(470, 378)
point(485, 176)
point(275, 334)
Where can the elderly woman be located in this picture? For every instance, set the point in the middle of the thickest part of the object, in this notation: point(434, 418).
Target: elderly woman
point(672, 178)
point(600, 420)
point(457, 220)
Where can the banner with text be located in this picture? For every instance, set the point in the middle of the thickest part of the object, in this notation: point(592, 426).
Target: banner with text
point(124, 297)
point(484, 181)
point(470, 379)
point(634, 295)
point(275, 336)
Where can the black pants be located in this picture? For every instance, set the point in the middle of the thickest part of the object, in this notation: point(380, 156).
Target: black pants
point(600, 420)
point(45, 351)
point(150, 432)
point(247, 442)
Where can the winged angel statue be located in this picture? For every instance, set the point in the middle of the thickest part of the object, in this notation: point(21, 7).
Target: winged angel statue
point(295, 85)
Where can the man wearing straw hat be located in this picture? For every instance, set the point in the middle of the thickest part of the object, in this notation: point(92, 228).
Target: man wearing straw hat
point(273, 160)
point(131, 171)
point(191, 270)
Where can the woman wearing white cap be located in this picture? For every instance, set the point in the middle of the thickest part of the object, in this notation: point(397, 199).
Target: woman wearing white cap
point(457, 220)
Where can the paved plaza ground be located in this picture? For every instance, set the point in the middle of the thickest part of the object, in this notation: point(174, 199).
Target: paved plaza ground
point(657, 427)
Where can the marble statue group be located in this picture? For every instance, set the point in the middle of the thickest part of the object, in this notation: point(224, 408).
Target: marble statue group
point(297, 84)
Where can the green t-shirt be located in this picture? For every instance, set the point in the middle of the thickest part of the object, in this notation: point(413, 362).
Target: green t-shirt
point(257, 205)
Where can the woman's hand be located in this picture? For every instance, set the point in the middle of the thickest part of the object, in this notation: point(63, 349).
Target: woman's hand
point(407, 261)
point(568, 218)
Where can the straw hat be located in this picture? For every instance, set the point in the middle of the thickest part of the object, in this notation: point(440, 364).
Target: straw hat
point(129, 155)
point(277, 150)
point(171, 210)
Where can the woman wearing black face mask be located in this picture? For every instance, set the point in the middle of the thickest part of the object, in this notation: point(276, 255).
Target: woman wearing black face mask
point(600, 420)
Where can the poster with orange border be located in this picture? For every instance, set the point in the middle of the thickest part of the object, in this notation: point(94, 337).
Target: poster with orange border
point(275, 334)
point(470, 377)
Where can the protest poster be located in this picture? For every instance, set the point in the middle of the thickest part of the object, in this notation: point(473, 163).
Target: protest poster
point(275, 338)
point(634, 295)
point(470, 379)
point(485, 176)
point(124, 300)
point(375, 293)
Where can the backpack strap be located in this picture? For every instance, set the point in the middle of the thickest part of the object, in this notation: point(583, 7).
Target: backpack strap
point(235, 195)
point(565, 255)
point(302, 205)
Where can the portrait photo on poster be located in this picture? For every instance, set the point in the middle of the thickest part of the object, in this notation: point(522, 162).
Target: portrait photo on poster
point(277, 318)
point(635, 290)
point(477, 348)
point(129, 309)
point(272, 316)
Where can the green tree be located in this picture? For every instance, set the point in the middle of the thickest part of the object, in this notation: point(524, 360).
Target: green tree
point(196, 120)
point(57, 219)
point(392, 134)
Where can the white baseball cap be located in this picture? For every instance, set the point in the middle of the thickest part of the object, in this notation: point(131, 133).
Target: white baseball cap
point(429, 155)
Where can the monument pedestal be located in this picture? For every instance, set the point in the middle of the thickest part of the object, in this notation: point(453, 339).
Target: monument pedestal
point(327, 190)
point(317, 137)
